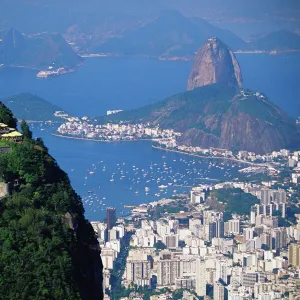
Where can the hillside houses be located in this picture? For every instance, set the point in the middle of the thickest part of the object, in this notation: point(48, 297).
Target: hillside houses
point(10, 134)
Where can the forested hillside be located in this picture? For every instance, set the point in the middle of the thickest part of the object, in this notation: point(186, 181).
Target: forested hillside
point(48, 249)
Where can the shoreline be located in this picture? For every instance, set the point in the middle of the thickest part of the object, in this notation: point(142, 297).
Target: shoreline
point(97, 140)
point(209, 157)
point(164, 149)
point(183, 58)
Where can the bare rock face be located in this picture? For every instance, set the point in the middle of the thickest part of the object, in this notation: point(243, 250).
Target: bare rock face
point(215, 63)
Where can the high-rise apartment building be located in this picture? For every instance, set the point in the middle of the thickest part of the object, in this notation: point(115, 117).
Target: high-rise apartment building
point(265, 196)
point(168, 269)
point(110, 217)
point(138, 269)
point(278, 196)
point(279, 238)
point(200, 277)
point(294, 255)
point(234, 226)
point(221, 271)
point(219, 291)
point(171, 240)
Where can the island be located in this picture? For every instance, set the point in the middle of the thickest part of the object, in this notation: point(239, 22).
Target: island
point(48, 53)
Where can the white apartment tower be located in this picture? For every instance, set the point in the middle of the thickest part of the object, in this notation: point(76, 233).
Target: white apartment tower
point(221, 271)
point(200, 277)
point(138, 269)
point(219, 291)
point(168, 269)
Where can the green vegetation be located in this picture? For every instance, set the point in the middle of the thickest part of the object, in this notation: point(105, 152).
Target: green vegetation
point(236, 201)
point(172, 208)
point(7, 117)
point(146, 292)
point(159, 245)
point(48, 250)
point(37, 51)
point(260, 109)
point(31, 107)
point(218, 115)
point(184, 107)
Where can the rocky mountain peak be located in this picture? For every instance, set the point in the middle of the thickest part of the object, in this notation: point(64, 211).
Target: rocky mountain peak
point(215, 63)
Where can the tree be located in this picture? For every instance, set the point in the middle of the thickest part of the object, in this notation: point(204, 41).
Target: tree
point(159, 245)
point(181, 244)
point(7, 117)
point(47, 248)
point(25, 130)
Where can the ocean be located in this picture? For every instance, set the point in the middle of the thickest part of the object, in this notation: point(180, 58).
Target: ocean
point(130, 173)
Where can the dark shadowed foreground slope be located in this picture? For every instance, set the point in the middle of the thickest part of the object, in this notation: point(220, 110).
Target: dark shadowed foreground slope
point(48, 250)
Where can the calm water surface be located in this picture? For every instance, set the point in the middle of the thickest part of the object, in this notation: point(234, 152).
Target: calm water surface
point(131, 173)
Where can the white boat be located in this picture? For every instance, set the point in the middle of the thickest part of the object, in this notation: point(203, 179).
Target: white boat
point(162, 186)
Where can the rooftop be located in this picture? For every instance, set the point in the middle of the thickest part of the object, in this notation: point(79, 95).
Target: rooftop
point(12, 134)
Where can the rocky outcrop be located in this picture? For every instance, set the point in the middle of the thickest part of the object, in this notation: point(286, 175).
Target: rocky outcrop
point(215, 63)
point(222, 117)
point(216, 112)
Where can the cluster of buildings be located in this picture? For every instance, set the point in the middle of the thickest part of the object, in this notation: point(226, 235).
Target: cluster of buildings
point(294, 164)
point(10, 134)
point(83, 128)
point(110, 238)
point(167, 139)
point(241, 258)
point(276, 158)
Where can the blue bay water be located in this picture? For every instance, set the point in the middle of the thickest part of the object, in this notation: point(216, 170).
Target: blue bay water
point(118, 174)
point(123, 83)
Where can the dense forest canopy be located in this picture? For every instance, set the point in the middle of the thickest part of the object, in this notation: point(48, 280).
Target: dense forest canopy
point(48, 249)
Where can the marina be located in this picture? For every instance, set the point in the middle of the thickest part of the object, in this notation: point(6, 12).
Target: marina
point(128, 174)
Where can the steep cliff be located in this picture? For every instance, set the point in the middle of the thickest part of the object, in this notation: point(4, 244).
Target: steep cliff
point(48, 250)
point(215, 63)
point(216, 112)
point(223, 117)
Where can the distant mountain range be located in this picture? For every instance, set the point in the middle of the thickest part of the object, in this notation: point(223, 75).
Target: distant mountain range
point(36, 51)
point(169, 35)
point(172, 35)
point(217, 111)
point(108, 18)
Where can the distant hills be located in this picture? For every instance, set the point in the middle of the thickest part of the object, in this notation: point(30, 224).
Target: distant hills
point(172, 35)
point(216, 112)
point(36, 51)
point(169, 35)
point(281, 40)
point(31, 108)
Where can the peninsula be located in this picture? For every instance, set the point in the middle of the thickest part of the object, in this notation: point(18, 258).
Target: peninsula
point(47, 53)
